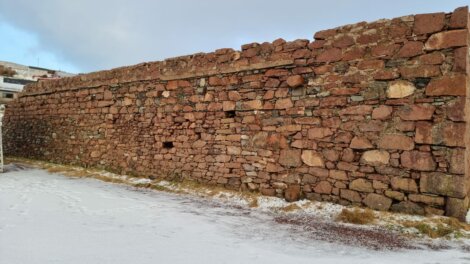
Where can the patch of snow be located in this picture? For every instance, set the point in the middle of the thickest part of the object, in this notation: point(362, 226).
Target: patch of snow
point(49, 218)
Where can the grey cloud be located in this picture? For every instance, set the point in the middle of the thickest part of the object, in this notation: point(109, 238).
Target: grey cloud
point(103, 34)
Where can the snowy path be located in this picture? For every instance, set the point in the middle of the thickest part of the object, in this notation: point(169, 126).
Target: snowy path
point(47, 218)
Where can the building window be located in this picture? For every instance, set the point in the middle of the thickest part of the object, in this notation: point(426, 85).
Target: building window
point(8, 95)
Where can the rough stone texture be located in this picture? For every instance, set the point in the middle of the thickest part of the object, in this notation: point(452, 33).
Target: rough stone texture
point(377, 202)
point(375, 157)
point(400, 89)
point(444, 184)
point(371, 108)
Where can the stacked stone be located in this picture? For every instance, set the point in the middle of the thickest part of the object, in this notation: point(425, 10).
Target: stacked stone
point(369, 114)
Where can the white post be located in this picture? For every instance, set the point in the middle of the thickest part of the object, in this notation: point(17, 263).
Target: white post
point(2, 109)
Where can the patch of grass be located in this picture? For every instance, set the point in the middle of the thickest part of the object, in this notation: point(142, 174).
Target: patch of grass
point(253, 203)
point(356, 216)
point(290, 208)
point(428, 230)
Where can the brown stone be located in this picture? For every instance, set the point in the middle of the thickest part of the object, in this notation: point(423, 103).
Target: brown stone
point(330, 55)
point(295, 81)
point(323, 187)
point(404, 184)
point(460, 59)
point(357, 110)
point(416, 112)
point(428, 23)
point(443, 184)
point(400, 142)
point(395, 195)
point(375, 157)
point(457, 161)
point(426, 199)
point(338, 175)
point(377, 202)
point(407, 207)
point(292, 193)
point(453, 134)
point(284, 103)
point(312, 158)
point(349, 195)
point(421, 71)
point(343, 41)
point(361, 185)
point(360, 143)
point(290, 158)
point(454, 85)
point(457, 208)
point(456, 110)
point(459, 18)
point(382, 112)
point(424, 134)
point(95, 154)
point(319, 132)
point(417, 160)
point(252, 105)
point(411, 49)
point(447, 39)
point(228, 105)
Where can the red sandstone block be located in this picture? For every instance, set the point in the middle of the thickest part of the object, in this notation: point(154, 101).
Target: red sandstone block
point(447, 85)
point(428, 23)
point(417, 160)
point(395, 141)
point(447, 39)
point(417, 112)
point(330, 55)
point(431, 58)
point(385, 50)
point(343, 42)
point(411, 49)
point(459, 18)
point(324, 34)
point(460, 59)
point(423, 71)
point(371, 64)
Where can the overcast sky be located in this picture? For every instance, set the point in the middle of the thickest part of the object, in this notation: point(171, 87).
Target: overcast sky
point(89, 35)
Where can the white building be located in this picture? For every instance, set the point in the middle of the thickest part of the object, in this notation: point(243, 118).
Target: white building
point(12, 84)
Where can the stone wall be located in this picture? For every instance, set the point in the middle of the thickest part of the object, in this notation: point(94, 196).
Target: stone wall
point(370, 114)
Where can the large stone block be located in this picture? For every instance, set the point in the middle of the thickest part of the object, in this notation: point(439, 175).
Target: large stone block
point(395, 141)
point(377, 202)
point(375, 157)
point(444, 184)
point(418, 160)
point(447, 39)
point(454, 85)
point(290, 157)
point(457, 208)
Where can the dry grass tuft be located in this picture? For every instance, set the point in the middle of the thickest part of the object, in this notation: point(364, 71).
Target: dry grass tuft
point(253, 203)
point(356, 216)
point(290, 208)
point(426, 229)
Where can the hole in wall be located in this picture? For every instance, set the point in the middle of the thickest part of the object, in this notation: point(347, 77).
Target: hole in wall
point(168, 144)
point(230, 113)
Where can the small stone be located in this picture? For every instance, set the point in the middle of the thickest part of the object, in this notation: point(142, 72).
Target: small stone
point(284, 103)
point(319, 132)
point(400, 142)
point(312, 158)
point(404, 184)
point(382, 112)
point(375, 157)
point(400, 89)
point(395, 195)
point(360, 143)
point(377, 202)
point(292, 193)
point(323, 187)
point(361, 185)
point(408, 208)
point(411, 49)
point(295, 81)
point(349, 195)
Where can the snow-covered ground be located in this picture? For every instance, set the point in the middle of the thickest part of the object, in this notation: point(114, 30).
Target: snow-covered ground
point(48, 218)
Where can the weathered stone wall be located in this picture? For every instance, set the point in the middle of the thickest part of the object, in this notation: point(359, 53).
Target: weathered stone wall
point(370, 114)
